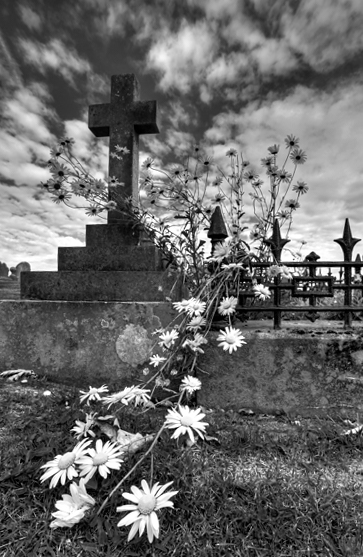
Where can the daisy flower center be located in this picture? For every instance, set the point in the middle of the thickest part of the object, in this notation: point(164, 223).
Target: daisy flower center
point(230, 338)
point(187, 421)
point(100, 458)
point(66, 461)
point(146, 504)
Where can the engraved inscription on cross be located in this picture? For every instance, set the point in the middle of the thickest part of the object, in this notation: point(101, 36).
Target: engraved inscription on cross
point(123, 120)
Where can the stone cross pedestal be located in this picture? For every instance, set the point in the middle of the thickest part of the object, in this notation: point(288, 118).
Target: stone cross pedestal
point(117, 263)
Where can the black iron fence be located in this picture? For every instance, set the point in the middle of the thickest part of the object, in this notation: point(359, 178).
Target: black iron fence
point(308, 283)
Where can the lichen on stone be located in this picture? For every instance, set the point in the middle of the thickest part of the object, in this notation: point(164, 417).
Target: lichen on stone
point(133, 345)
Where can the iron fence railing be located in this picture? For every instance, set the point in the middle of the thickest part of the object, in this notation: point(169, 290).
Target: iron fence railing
point(311, 285)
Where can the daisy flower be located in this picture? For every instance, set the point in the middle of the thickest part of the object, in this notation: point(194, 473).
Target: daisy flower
point(122, 150)
point(206, 161)
point(143, 509)
point(274, 149)
point(250, 175)
point(230, 266)
point(185, 420)
point(196, 323)
point(274, 271)
point(292, 204)
point(195, 343)
point(62, 466)
point(301, 187)
point(59, 170)
point(255, 234)
point(291, 141)
point(61, 197)
point(113, 181)
point(190, 384)
point(93, 393)
point(54, 186)
point(155, 360)
point(98, 186)
point(219, 197)
point(230, 339)
point(56, 152)
point(267, 162)
point(147, 163)
point(227, 305)
point(134, 394)
point(222, 250)
point(181, 306)
point(79, 187)
point(261, 292)
point(73, 507)
point(298, 156)
point(284, 175)
point(231, 153)
point(167, 339)
point(196, 307)
point(217, 182)
point(273, 171)
point(104, 458)
point(67, 142)
point(93, 210)
point(140, 396)
point(176, 170)
point(82, 429)
point(283, 214)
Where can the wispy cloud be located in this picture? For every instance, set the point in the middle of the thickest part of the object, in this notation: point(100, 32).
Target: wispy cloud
point(182, 58)
point(31, 18)
point(55, 56)
point(326, 34)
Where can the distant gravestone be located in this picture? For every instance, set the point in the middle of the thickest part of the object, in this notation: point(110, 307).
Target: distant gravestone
point(13, 275)
point(4, 270)
point(23, 266)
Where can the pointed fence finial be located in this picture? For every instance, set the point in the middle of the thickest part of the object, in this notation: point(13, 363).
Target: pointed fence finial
point(217, 231)
point(276, 243)
point(347, 243)
point(312, 256)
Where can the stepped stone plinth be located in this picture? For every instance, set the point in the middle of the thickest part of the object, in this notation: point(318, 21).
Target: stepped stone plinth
point(118, 263)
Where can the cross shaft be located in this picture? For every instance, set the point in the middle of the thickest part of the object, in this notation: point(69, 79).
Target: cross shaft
point(123, 119)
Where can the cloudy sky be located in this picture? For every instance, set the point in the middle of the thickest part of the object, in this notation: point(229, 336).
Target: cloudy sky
point(226, 73)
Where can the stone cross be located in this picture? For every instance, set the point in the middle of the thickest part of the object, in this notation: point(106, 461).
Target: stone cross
point(123, 119)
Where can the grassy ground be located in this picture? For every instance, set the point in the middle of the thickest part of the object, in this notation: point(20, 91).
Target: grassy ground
point(267, 487)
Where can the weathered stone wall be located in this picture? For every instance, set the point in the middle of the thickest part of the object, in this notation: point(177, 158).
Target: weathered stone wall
point(84, 343)
point(301, 368)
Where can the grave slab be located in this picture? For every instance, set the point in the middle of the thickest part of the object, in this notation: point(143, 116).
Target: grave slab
point(301, 369)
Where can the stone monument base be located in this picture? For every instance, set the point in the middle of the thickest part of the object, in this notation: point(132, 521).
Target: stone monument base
point(301, 369)
point(81, 343)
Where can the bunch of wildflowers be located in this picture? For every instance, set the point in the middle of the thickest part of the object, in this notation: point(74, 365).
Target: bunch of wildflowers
point(215, 284)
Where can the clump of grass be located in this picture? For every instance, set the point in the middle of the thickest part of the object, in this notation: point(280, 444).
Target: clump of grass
point(261, 486)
